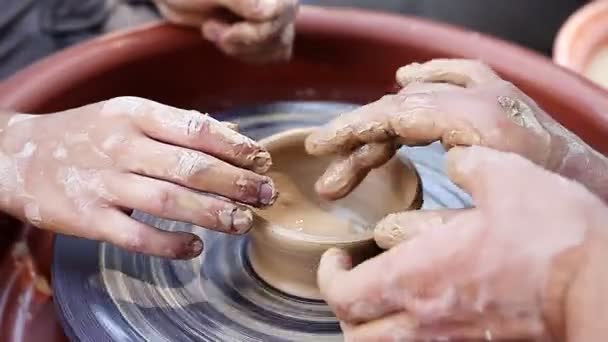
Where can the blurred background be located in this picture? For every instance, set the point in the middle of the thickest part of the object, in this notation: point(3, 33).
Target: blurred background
point(32, 29)
point(532, 23)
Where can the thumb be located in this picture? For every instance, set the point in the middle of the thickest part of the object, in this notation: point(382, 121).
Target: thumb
point(399, 227)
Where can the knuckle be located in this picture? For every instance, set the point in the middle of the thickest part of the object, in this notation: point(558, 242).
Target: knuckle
point(189, 164)
point(245, 188)
point(197, 124)
point(163, 201)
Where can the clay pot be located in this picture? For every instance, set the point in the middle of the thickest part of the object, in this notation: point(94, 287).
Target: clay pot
point(289, 238)
point(345, 55)
point(583, 35)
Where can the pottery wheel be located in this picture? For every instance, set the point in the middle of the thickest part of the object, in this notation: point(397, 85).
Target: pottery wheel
point(106, 294)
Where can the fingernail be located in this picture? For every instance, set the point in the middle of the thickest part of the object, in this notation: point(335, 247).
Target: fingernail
point(261, 162)
point(268, 193)
point(241, 221)
point(195, 247)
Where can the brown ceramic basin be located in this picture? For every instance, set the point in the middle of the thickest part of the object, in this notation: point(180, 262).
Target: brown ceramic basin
point(340, 55)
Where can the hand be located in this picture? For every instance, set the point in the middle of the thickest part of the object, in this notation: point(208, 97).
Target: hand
point(528, 263)
point(457, 102)
point(253, 30)
point(74, 172)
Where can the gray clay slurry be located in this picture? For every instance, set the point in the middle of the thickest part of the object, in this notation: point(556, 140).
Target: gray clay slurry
point(104, 293)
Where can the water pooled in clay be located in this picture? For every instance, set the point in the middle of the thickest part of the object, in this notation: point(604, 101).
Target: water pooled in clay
point(289, 261)
point(302, 212)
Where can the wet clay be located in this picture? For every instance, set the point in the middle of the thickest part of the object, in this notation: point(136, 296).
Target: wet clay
point(288, 239)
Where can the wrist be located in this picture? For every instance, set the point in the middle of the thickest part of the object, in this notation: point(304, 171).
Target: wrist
point(13, 137)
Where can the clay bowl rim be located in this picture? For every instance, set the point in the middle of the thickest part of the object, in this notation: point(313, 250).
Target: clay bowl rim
point(569, 36)
point(298, 236)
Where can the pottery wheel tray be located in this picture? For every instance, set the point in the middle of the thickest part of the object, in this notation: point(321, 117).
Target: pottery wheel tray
point(104, 293)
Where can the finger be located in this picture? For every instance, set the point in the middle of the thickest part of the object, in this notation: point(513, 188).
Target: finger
point(333, 265)
point(258, 10)
point(346, 173)
point(400, 227)
point(421, 120)
point(248, 37)
point(405, 327)
point(396, 327)
point(366, 124)
point(193, 130)
point(460, 72)
point(173, 202)
point(119, 229)
point(180, 16)
point(199, 171)
point(248, 9)
point(475, 169)
point(415, 276)
point(347, 302)
point(415, 119)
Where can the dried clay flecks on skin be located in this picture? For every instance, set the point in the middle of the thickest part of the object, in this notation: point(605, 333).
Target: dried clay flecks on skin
point(84, 187)
point(27, 150)
point(32, 213)
point(60, 152)
point(19, 118)
point(189, 164)
point(8, 175)
point(122, 105)
point(520, 113)
point(266, 193)
point(113, 141)
point(235, 220)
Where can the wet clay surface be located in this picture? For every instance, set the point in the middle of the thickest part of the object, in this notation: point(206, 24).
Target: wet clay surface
point(288, 239)
point(297, 209)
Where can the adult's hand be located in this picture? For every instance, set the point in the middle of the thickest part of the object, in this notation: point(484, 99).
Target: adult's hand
point(77, 172)
point(460, 103)
point(527, 263)
point(252, 30)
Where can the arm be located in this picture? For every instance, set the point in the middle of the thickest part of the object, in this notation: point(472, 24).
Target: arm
point(459, 103)
point(574, 159)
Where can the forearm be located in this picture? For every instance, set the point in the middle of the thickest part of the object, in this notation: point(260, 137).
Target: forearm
point(589, 168)
point(575, 159)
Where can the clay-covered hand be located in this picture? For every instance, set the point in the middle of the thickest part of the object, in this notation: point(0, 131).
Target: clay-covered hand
point(253, 30)
point(528, 263)
point(457, 102)
point(77, 172)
